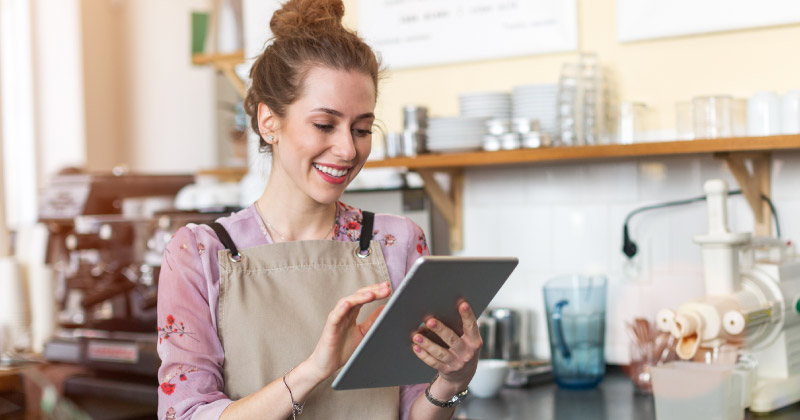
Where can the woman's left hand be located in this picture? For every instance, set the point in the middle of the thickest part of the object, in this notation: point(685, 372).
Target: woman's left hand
point(457, 363)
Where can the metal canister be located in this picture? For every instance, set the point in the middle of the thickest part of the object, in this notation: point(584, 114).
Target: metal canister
point(394, 145)
point(487, 328)
point(415, 118)
point(507, 333)
point(414, 143)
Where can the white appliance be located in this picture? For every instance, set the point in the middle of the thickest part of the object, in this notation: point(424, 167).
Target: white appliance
point(752, 305)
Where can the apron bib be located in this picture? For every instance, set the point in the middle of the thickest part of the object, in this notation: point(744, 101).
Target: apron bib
point(273, 304)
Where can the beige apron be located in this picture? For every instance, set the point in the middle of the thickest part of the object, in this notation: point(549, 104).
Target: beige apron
point(273, 304)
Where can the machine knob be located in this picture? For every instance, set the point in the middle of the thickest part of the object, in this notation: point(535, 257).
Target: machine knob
point(733, 322)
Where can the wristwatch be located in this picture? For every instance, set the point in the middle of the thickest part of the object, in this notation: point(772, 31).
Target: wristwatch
point(452, 402)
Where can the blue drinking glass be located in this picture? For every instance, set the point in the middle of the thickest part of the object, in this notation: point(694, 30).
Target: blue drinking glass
point(576, 319)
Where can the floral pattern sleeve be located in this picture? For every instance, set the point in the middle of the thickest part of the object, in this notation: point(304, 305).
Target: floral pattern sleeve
point(417, 247)
point(190, 378)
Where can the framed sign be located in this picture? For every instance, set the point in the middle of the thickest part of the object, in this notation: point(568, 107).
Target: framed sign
point(412, 33)
point(650, 19)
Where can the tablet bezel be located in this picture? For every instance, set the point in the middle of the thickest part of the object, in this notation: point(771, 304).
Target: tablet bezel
point(431, 287)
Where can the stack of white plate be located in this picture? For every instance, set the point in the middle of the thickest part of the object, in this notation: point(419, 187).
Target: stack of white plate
point(537, 102)
point(455, 134)
point(485, 104)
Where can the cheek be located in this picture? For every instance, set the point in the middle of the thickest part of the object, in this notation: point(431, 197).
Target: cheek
point(364, 148)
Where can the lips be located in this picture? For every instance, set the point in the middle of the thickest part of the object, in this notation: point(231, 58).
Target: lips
point(332, 173)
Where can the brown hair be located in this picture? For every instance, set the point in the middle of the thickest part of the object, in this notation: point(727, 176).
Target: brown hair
point(306, 33)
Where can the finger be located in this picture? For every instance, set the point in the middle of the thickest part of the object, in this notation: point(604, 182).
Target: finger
point(435, 350)
point(427, 358)
point(374, 287)
point(469, 321)
point(367, 324)
point(445, 333)
point(349, 305)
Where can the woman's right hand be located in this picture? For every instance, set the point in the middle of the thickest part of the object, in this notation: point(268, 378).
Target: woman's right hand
point(342, 334)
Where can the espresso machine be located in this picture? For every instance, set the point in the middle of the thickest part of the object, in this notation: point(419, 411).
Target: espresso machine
point(740, 343)
point(107, 237)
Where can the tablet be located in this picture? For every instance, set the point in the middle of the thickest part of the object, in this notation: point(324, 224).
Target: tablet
point(432, 287)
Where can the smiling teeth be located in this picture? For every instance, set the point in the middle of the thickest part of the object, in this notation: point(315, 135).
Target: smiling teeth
point(330, 171)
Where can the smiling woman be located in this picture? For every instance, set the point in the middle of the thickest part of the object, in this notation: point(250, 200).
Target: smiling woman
point(260, 309)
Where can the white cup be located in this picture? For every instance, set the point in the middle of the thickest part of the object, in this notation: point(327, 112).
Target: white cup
point(790, 112)
point(763, 114)
point(489, 378)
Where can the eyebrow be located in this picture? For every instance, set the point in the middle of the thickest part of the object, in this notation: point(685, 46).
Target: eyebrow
point(339, 114)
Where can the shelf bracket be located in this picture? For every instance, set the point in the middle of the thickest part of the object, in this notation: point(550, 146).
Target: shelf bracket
point(754, 184)
point(225, 63)
point(449, 204)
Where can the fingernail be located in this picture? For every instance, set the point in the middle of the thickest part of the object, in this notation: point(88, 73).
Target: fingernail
point(432, 323)
point(418, 338)
point(417, 349)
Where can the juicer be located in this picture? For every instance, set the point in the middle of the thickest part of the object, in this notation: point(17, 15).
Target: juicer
point(751, 305)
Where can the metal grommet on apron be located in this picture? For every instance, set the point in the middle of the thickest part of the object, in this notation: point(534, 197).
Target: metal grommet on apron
point(273, 304)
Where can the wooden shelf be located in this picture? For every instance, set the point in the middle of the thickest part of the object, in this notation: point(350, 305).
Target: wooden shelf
point(735, 151)
point(555, 154)
point(226, 64)
point(234, 58)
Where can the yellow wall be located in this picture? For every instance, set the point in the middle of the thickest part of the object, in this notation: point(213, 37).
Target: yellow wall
point(659, 73)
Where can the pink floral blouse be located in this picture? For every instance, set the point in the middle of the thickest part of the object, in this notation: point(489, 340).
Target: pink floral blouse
point(190, 377)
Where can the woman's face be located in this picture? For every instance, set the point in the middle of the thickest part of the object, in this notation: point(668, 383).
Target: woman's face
point(326, 136)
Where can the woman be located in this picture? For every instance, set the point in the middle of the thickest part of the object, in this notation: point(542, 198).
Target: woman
point(258, 312)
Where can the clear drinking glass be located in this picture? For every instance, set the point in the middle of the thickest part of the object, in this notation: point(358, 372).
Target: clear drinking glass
point(632, 122)
point(684, 116)
point(713, 116)
point(576, 317)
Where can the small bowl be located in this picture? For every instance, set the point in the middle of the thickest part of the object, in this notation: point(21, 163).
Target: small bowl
point(489, 378)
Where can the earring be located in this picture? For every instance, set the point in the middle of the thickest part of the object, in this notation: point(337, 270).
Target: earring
point(270, 139)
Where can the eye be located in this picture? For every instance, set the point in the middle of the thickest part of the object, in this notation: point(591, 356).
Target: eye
point(361, 133)
point(325, 128)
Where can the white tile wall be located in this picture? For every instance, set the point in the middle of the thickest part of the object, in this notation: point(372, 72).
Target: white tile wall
point(563, 218)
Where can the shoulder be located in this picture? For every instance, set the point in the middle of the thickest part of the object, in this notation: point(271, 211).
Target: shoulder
point(238, 225)
point(392, 230)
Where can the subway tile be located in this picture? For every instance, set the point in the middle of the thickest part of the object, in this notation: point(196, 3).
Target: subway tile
point(480, 231)
point(496, 185)
point(685, 223)
point(612, 181)
point(580, 238)
point(669, 179)
point(557, 183)
point(785, 175)
point(650, 231)
point(526, 232)
point(581, 182)
point(789, 216)
point(712, 168)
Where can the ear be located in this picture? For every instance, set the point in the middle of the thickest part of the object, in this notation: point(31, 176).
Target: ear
point(266, 121)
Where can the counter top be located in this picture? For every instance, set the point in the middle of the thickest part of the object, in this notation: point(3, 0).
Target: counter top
point(614, 399)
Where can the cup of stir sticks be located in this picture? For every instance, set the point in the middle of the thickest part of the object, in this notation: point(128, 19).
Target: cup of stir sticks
point(649, 347)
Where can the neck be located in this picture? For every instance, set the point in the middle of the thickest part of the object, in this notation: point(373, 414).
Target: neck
point(293, 214)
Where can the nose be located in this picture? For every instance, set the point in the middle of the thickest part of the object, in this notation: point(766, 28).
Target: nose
point(344, 146)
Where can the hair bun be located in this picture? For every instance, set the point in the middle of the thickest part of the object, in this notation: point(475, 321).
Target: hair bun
point(299, 18)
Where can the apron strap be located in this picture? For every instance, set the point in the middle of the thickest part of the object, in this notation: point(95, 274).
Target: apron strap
point(367, 221)
point(225, 238)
